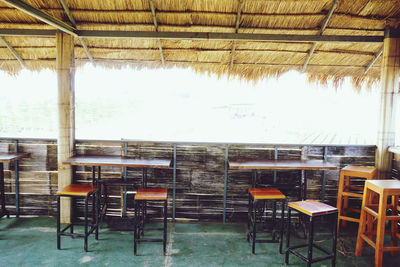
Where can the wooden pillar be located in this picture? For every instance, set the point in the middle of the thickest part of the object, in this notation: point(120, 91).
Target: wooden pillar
point(66, 114)
point(390, 72)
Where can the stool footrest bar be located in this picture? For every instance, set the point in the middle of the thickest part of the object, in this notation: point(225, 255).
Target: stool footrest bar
point(150, 240)
point(153, 229)
point(346, 218)
point(349, 194)
point(368, 240)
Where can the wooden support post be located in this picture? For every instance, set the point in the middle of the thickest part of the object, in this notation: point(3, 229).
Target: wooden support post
point(390, 73)
point(66, 114)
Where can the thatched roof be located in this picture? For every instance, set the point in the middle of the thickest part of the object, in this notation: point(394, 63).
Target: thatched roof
point(246, 59)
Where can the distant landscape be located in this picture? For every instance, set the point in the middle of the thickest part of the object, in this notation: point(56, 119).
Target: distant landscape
point(179, 105)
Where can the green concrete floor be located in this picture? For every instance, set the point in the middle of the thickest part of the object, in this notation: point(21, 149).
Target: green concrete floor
point(32, 242)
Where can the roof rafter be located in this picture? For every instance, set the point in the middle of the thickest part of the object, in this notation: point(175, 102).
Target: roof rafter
point(153, 13)
point(377, 55)
point(201, 36)
point(229, 36)
point(236, 31)
point(321, 31)
point(73, 22)
point(40, 15)
point(12, 50)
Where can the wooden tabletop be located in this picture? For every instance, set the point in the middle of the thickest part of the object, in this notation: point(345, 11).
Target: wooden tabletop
point(280, 164)
point(117, 161)
point(7, 157)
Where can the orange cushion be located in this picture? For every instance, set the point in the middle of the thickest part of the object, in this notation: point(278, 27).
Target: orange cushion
point(77, 190)
point(151, 194)
point(266, 193)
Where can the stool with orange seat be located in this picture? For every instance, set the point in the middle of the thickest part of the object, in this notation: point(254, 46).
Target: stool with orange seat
point(80, 191)
point(259, 196)
point(142, 196)
point(313, 209)
point(347, 189)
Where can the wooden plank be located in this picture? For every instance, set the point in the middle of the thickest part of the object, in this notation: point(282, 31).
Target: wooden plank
point(117, 161)
point(282, 165)
point(7, 157)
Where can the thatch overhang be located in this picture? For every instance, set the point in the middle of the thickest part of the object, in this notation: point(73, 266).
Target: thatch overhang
point(247, 59)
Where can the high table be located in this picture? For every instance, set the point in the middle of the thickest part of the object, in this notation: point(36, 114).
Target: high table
point(8, 157)
point(118, 161)
point(280, 164)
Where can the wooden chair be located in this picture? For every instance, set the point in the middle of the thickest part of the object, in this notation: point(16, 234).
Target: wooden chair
point(384, 189)
point(80, 191)
point(259, 196)
point(346, 190)
point(313, 209)
point(142, 196)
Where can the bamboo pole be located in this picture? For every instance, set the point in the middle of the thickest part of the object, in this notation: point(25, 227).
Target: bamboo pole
point(66, 114)
point(390, 72)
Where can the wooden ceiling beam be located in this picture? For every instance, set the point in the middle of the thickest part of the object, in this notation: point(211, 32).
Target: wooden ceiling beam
point(321, 31)
point(73, 22)
point(153, 13)
point(12, 50)
point(40, 15)
point(377, 55)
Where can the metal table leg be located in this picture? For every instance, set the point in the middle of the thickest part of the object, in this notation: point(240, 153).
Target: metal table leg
point(2, 195)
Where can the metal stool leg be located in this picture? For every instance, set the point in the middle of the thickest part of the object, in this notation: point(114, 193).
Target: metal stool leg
point(86, 225)
point(72, 218)
point(282, 226)
point(254, 223)
point(58, 224)
point(165, 228)
point(97, 216)
point(250, 207)
point(288, 237)
point(135, 227)
point(310, 241)
point(334, 239)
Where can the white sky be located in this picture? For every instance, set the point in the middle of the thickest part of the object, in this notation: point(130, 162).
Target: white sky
point(180, 105)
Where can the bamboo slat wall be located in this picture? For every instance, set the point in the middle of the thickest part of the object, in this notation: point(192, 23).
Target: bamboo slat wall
point(199, 179)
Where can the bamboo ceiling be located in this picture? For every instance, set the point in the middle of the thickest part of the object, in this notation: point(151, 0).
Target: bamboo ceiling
point(251, 60)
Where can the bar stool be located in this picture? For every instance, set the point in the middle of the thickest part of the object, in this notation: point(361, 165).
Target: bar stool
point(313, 209)
point(261, 196)
point(384, 189)
point(80, 191)
point(346, 174)
point(142, 196)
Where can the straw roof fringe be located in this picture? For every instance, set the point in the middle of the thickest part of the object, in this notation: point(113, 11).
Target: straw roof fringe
point(252, 60)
